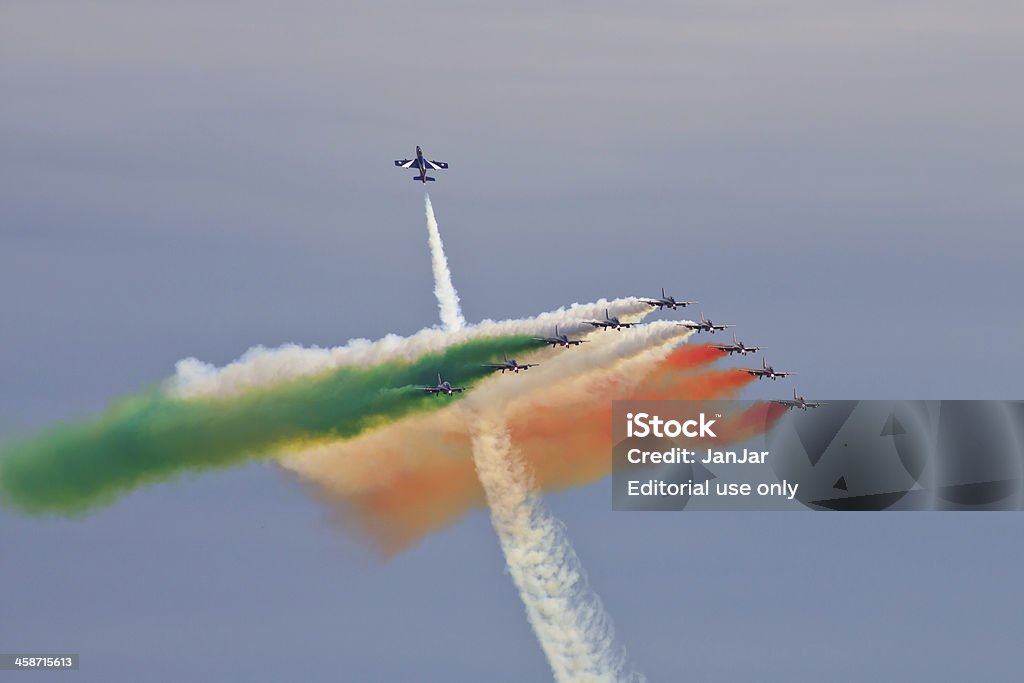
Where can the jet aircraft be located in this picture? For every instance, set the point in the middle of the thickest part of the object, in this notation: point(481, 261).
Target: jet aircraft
point(737, 347)
point(667, 301)
point(443, 387)
point(705, 325)
point(559, 340)
point(767, 371)
point(798, 402)
point(422, 165)
point(509, 364)
point(609, 322)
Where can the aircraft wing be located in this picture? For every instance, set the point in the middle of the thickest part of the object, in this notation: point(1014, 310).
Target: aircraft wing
point(652, 302)
point(405, 163)
point(598, 323)
point(756, 372)
point(548, 340)
point(435, 165)
point(725, 347)
point(429, 390)
point(494, 366)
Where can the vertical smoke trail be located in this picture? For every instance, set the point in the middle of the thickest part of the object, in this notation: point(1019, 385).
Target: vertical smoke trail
point(573, 629)
point(444, 290)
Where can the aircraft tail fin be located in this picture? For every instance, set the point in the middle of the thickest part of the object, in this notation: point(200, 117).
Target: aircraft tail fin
point(429, 179)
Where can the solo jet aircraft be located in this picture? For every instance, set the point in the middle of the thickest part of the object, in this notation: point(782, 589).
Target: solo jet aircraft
point(609, 322)
point(442, 387)
point(798, 402)
point(559, 340)
point(667, 301)
point(509, 364)
point(705, 325)
point(422, 165)
point(737, 347)
point(767, 371)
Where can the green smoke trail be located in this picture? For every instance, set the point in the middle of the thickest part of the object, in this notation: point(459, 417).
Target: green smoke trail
point(141, 439)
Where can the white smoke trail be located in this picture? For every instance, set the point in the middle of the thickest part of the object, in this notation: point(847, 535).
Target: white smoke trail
point(261, 366)
point(444, 290)
point(570, 623)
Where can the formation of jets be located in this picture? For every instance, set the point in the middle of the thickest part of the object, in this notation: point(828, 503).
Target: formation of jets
point(798, 401)
point(767, 371)
point(667, 301)
point(422, 165)
point(737, 347)
point(509, 364)
point(610, 322)
point(559, 340)
point(442, 387)
point(705, 325)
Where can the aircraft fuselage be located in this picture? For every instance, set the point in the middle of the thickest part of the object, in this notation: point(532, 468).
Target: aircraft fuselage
point(421, 165)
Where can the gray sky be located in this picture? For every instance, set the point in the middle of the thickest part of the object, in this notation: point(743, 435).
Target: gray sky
point(194, 179)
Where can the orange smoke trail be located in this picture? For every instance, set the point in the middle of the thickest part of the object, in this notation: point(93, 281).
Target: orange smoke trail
point(761, 417)
point(436, 493)
point(415, 503)
point(564, 446)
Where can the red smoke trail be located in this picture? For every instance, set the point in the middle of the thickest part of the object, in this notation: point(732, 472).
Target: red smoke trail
point(761, 418)
point(691, 356)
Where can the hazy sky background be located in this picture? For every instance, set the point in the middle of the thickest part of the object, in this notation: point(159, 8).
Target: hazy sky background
point(842, 180)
